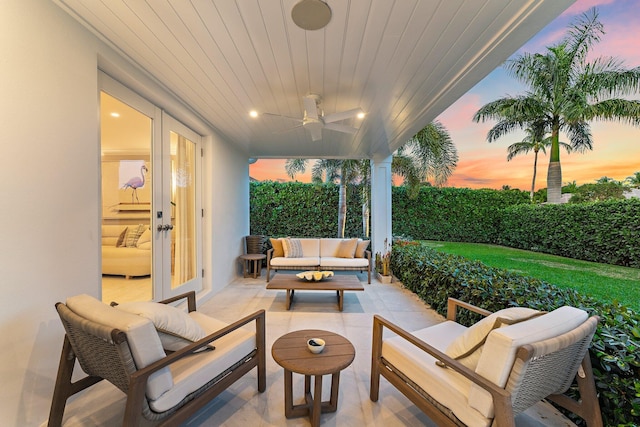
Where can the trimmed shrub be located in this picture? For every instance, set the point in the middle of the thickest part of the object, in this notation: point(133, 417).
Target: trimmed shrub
point(302, 210)
point(452, 214)
point(615, 352)
point(606, 232)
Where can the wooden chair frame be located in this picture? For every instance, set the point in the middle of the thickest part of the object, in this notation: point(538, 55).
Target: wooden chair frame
point(587, 407)
point(134, 381)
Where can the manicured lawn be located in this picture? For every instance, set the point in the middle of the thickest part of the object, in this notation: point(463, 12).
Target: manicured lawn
point(603, 281)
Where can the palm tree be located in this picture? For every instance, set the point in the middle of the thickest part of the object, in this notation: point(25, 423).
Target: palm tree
point(536, 142)
point(566, 92)
point(429, 153)
point(633, 180)
point(345, 171)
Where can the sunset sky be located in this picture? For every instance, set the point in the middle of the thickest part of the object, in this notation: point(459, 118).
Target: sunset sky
point(616, 147)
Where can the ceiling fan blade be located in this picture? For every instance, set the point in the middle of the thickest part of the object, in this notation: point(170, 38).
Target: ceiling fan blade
point(341, 128)
point(277, 132)
point(342, 115)
point(284, 117)
point(315, 129)
point(310, 107)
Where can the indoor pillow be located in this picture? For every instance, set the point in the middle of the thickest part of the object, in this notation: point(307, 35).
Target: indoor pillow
point(276, 244)
point(467, 348)
point(361, 248)
point(176, 328)
point(144, 242)
point(120, 241)
point(133, 234)
point(292, 248)
point(347, 248)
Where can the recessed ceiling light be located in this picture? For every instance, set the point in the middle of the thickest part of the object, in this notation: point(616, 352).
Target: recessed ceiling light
point(360, 115)
point(311, 14)
point(114, 114)
point(253, 113)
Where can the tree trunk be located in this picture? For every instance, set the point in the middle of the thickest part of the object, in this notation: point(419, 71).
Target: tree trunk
point(365, 211)
point(535, 172)
point(554, 183)
point(554, 174)
point(342, 209)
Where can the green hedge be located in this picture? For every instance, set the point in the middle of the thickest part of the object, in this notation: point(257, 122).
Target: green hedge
point(302, 210)
point(615, 353)
point(606, 232)
point(452, 214)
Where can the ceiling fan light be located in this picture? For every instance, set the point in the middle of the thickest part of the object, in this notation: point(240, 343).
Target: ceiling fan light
point(311, 14)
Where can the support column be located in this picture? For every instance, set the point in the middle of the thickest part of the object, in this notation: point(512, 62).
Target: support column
point(380, 204)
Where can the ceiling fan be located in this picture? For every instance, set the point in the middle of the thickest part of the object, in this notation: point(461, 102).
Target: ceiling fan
point(314, 119)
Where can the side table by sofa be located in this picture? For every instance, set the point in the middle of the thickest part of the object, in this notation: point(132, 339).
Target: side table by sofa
point(290, 351)
point(257, 264)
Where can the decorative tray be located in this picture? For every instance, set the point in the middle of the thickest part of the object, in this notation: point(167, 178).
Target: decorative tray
point(314, 276)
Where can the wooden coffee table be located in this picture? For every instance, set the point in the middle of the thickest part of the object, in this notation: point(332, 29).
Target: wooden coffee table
point(290, 351)
point(291, 283)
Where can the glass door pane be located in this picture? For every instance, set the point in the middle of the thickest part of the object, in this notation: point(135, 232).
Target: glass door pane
point(126, 137)
point(184, 205)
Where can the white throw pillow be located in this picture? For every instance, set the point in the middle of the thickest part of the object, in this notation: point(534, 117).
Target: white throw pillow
point(467, 348)
point(175, 327)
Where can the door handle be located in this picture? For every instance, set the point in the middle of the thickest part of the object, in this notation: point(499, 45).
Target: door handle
point(164, 227)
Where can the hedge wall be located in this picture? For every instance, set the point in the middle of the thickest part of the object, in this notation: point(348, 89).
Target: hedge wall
point(302, 210)
point(607, 232)
point(615, 352)
point(452, 214)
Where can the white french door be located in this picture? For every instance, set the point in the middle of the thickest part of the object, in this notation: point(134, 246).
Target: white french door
point(151, 208)
point(179, 212)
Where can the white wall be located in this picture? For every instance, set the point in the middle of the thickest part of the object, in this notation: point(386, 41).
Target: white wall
point(50, 183)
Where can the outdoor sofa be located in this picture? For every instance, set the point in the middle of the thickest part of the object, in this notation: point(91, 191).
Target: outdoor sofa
point(319, 254)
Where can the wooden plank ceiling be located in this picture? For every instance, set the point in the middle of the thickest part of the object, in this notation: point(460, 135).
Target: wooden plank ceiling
point(402, 62)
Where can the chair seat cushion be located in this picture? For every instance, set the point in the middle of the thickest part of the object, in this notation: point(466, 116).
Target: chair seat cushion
point(295, 262)
point(192, 372)
point(444, 385)
point(344, 262)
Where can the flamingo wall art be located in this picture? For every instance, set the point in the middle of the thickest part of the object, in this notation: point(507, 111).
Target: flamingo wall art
point(136, 182)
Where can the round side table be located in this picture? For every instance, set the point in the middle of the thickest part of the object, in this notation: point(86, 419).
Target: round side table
point(257, 264)
point(290, 351)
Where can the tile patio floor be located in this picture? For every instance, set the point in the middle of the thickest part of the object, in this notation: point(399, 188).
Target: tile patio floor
point(242, 406)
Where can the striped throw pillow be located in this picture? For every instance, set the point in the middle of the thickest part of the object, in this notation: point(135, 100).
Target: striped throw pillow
point(133, 234)
point(292, 248)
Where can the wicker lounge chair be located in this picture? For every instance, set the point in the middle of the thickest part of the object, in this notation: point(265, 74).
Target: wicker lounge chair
point(125, 349)
point(520, 363)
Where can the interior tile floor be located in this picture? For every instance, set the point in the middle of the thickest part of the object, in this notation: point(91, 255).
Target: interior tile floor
point(241, 405)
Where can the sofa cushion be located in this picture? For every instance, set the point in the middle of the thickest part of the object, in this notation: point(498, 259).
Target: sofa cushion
point(500, 349)
point(191, 373)
point(467, 348)
point(295, 262)
point(361, 248)
point(347, 248)
point(328, 261)
point(445, 385)
point(144, 242)
point(120, 241)
point(133, 234)
point(292, 248)
point(176, 328)
point(276, 244)
point(141, 335)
